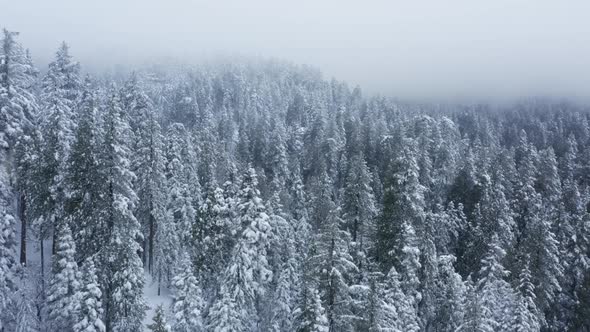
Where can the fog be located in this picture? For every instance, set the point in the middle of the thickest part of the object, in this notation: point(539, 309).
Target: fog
point(437, 50)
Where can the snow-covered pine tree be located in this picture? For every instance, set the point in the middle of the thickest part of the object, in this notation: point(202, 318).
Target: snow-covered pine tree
point(477, 316)
point(300, 214)
point(213, 235)
point(358, 204)
point(243, 282)
point(159, 321)
point(526, 314)
point(90, 312)
point(148, 164)
point(60, 91)
point(495, 292)
point(403, 201)
point(180, 174)
point(410, 264)
point(7, 256)
point(450, 294)
point(537, 240)
point(122, 275)
point(188, 306)
point(18, 103)
point(84, 203)
point(280, 300)
point(397, 309)
point(25, 155)
point(276, 157)
point(334, 267)
point(311, 316)
point(26, 319)
point(285, 296)
point(64, 286)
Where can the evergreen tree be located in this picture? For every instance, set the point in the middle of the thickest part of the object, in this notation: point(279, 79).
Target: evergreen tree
point(214, 233)
point(398, 308)
point(159, 322)
point(18, 103)
point(122, 273)
point(449, 305)
point(359, 202)
point(403, 201)
point(495, 292)
point(84, 180)
point(285, 295)
point(60, 91)
point(26, 319)
point(526, 313)
point(188, 305)
point(148, 164)
point(180, 174)
point(334, 267)
point(243, 282)
point(89, 317)
point(311, 317)
point(64, 285)
point(411, 265)
point(7, 260)
point(477, 315)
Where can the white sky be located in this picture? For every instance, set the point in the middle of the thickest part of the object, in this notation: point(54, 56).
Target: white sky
point(442, 49)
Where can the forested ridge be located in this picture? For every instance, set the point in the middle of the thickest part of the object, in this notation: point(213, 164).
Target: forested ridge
point(266, 198)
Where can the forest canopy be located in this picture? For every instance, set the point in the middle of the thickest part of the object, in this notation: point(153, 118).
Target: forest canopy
point(258, 196)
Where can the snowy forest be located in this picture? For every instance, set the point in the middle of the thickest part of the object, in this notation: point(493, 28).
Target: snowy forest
point(247, 194)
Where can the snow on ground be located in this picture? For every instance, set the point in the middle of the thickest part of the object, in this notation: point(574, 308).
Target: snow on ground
point(33, 268)
point(150, 292)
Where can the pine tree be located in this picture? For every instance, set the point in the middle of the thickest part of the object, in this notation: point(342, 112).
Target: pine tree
point(89, 316)
point(276, 156)
point(300, 214)
point(243, 282)
point(214, 233)
point(26, 319)
point(84, 181)
point(122, 273)
point(64, 285)
point(526, 313)
point(180, 174)
point(7, 259)
point(159, 322)
point(18, 103)
point(285, 295)
point(411, 265)
point(449, 305)
point(60, 91)
point(334, 267)
point(477, 315)
point(397, 309)
point(495, 292)
point(148, 164)
point(311, 317)
point(188, 305)
point(403, 201)
point(359, 202)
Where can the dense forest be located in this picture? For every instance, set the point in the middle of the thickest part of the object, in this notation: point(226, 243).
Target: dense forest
point(262, 197)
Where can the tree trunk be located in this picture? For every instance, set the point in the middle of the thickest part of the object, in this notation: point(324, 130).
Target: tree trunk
point(159, 282)
point(23, 234)
point(53, 240)
point(42, 269)
point(151, 244)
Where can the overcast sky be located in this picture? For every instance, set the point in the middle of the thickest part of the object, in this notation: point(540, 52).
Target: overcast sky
point(442, 49)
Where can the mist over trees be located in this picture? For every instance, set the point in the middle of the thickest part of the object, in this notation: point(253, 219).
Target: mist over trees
point(265, 198)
